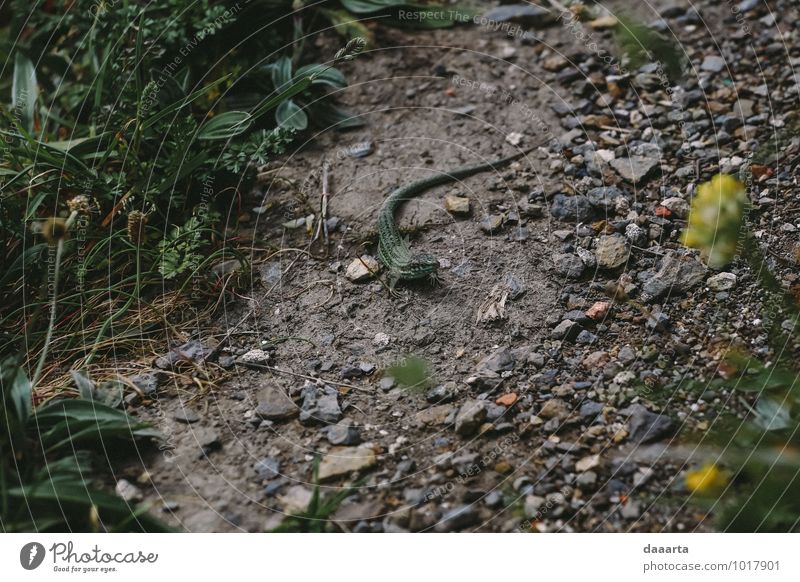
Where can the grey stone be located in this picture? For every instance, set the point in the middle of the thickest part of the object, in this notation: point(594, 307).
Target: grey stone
point(677, 206)
point(590, 410)
point(442, 394)
point(678, 274)
point(274, 404)
point(256, 356)
point(571, 208)
point(470, 417)
point(645, 426)
point(344, 434)
point(567, 330)
point(605, 198)
point(458, 518)
point(267, 468)
point(516, 288)
point(186, 415)
point(612, 251)
point(342, 461)
point(636, 234)
point(569, 265)
point(533, 505)
point(128, 491)
point(635, 169)
point(320, 404)
point(586, 480)
point(713, 64)
point(491, 223)
point(722, 282)
point(500, 360)
point(207, 439)
point(147, 383)
point(192, 351)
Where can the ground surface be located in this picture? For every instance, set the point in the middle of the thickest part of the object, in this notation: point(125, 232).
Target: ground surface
point(529, 423)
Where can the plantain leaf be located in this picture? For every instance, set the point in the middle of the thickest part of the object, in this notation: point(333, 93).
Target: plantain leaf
point(291, 116)
point(324, 75)
point(281, 73)
point(20, 390)
point(84, 385)
point(24, 91)
point(226, 125)
point(81, 422)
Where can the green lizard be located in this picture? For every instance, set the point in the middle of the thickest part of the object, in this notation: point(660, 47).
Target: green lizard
point(394, 251)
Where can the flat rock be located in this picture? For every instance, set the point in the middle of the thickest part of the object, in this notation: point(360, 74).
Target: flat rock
point(344, 434)
point(186, 415)
point(320, 404)
point(458, 518)
point(500, 360)
point(677, 206)
point(571, 208)
point(435, 415)
point(612, 251)
point(554, 408)
point(645, 426)
point(569, 265)
point(605, 198)
point(192, 351)
point(470, 417)
point(267, 468)
point(677, 274)
point(587, 463)
point(362, 269)
point(635, 169)
point(567, 330)
point(342, 461)
point(456, 204)
point(256, 356)
point(722, 282)
point(296, 498)
point(275, 404)
point(491, 223)
point(713, 64)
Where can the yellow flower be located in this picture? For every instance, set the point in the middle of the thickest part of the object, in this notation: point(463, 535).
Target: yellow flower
point(707, 479)
point(716, 219)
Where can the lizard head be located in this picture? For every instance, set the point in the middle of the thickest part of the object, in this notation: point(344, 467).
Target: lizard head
point(421, 266)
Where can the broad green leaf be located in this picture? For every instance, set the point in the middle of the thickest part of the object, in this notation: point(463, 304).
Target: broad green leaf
point(20, 393)
point(226, 125)
point(76, 422)
point(281, 73)
point(24, 91)
point(323, 75)
point(291, 116)
point(771, 414)
point(84, 385)
point(296, 87)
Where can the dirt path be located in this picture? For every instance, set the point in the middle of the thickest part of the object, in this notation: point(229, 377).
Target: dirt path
point(544, 419)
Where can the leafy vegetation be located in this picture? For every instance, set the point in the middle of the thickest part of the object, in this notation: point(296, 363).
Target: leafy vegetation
point(759, 487)
point(48, 477)
point(316, 517)
point(136, 131)
point(130, 133)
